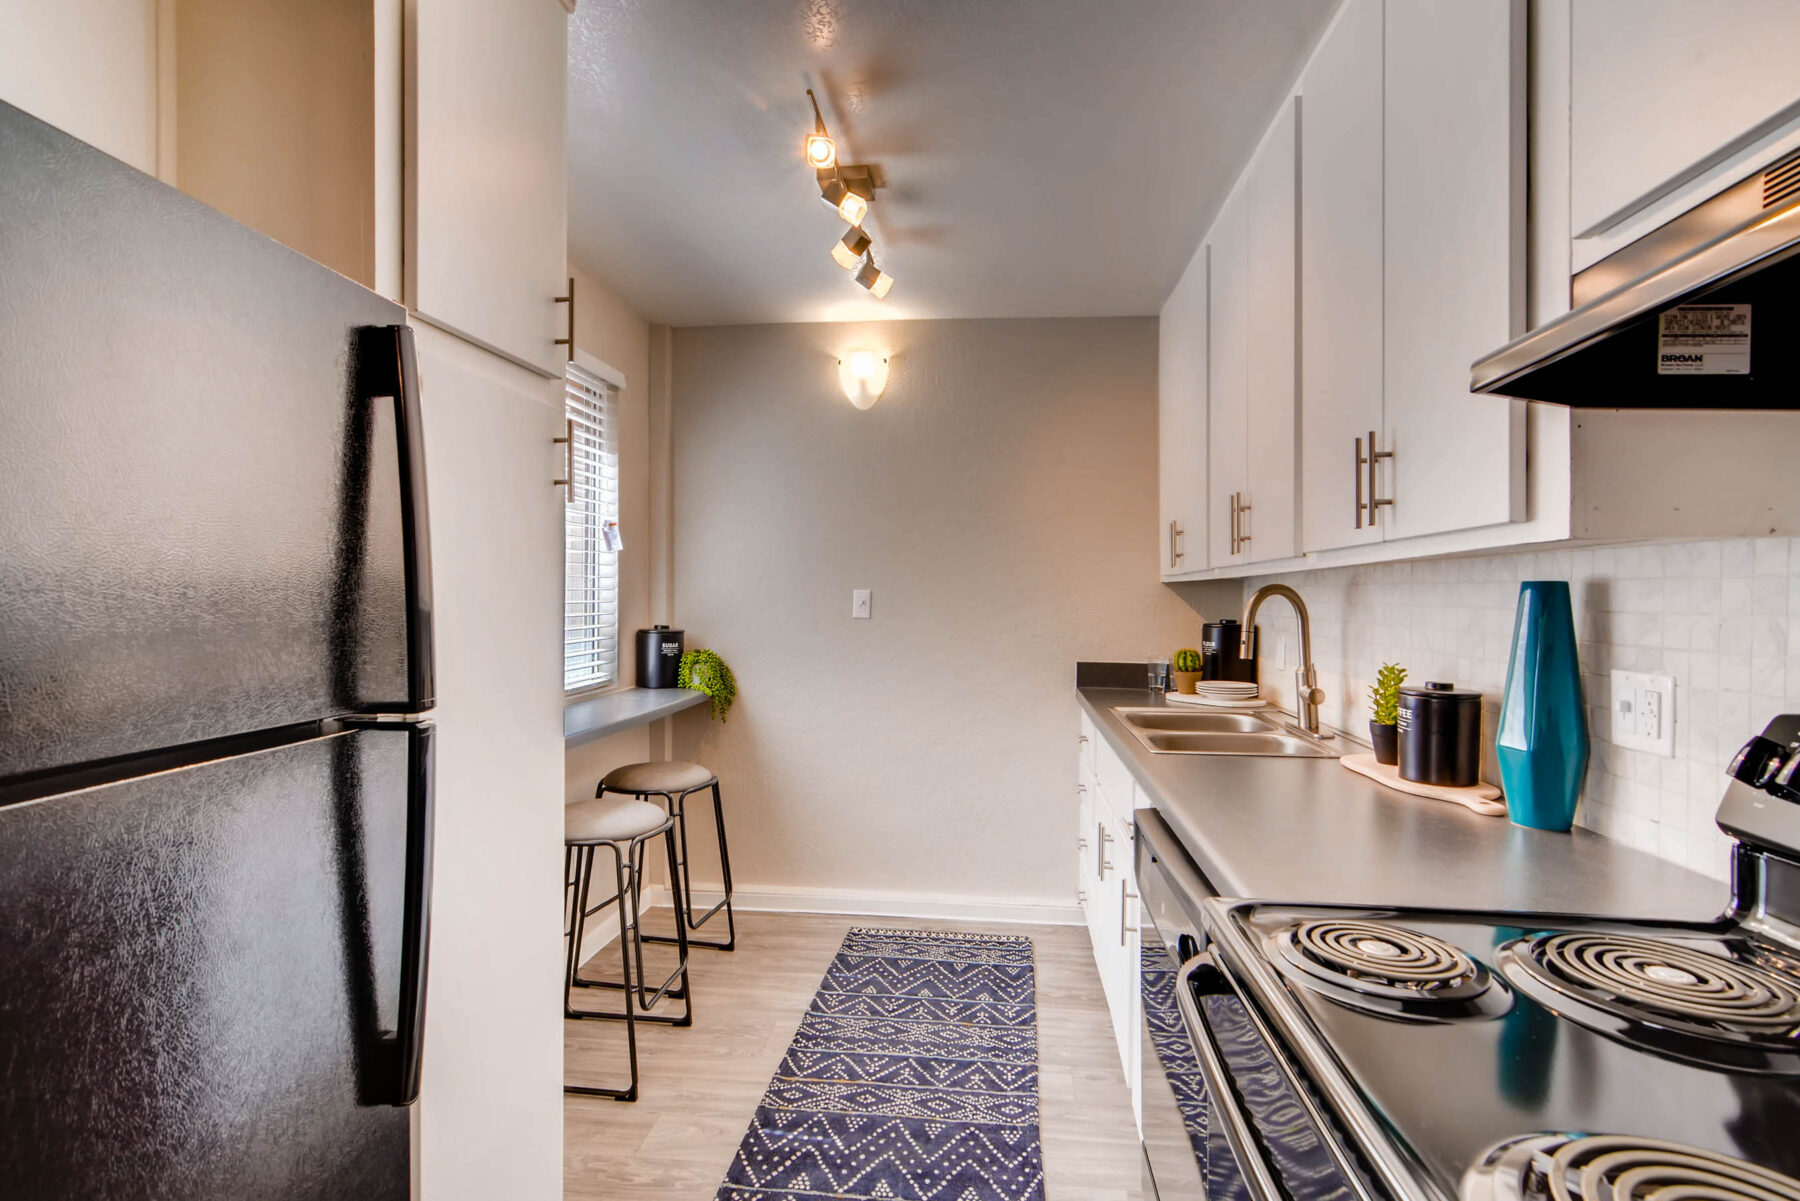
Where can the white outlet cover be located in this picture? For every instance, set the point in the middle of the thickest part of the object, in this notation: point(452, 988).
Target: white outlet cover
point(1643, 712)
point(859, 604)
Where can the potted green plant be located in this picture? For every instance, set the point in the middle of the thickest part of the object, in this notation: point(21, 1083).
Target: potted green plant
point(1186, 669)
point(1384, 701)
point(705, 671)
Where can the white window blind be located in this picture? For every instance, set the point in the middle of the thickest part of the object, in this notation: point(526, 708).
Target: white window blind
point(590, 570)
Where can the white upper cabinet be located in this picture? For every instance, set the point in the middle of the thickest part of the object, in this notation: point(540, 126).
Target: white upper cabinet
point(486, 208)
point(1341, 229)
point(1252, 364)
point(1181, 421)
point(1228, 377)
point(1663, 90)
point(1454, 255)
point(1267, 516)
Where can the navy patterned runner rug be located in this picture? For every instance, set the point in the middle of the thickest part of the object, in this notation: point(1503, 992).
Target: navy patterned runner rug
point(913, 1076)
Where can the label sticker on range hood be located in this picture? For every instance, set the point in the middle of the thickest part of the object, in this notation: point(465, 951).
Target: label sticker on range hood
point(1704, 339)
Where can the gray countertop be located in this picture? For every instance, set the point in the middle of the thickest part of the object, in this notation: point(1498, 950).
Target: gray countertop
point(1309, 830)
point(596, 717)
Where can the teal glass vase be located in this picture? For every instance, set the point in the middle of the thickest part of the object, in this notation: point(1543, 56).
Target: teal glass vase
point(1543, 741)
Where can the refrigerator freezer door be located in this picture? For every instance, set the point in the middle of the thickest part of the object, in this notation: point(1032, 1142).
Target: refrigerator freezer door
point(201, 502)
point(205, 973)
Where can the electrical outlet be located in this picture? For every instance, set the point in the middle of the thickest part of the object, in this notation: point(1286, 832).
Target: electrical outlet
point(859, 604)
point(1643, 712)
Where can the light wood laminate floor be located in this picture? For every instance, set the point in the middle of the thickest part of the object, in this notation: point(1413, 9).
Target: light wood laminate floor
point(700, 1084)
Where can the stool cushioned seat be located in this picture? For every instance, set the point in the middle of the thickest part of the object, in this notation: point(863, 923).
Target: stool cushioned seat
point(673, 776)
point(610, 819)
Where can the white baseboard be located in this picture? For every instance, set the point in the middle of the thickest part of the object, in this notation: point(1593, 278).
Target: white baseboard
point(883, 904)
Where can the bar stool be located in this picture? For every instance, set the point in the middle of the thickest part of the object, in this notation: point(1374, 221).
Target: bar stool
point(675, 781)
point(623, 827)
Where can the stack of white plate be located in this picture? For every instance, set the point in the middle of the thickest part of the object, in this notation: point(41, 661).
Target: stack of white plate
point(1221, 694)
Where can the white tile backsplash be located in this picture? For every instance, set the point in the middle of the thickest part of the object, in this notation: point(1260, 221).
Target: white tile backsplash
point(1722, 618)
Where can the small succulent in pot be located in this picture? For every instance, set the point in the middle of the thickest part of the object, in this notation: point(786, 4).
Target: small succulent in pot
point(1384, 701)
point(1186, 669)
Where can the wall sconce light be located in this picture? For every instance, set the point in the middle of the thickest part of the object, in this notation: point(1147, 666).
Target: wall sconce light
point(850, 248)
point(863, 375)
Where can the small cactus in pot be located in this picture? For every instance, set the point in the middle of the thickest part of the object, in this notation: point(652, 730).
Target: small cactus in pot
point(1186, 668)
point(1384, 702)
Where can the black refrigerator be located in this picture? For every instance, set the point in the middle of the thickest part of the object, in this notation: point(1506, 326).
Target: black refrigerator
point(215, 666)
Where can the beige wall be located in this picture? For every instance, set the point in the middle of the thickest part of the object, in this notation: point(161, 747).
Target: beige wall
point(1000, 501)
point(85, 66)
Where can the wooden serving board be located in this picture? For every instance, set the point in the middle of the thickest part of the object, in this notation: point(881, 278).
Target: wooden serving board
point(1484, 799)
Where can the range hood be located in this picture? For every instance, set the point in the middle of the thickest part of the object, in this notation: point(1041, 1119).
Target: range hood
point(1701, 313)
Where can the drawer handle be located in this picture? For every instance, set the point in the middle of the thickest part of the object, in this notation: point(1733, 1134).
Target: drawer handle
point(1104, 836)
point(1126, 896)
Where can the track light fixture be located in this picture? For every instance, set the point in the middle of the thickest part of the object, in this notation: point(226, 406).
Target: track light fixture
point(821, 151)
point(847, 188)
point(850, 248)
point(878, 282)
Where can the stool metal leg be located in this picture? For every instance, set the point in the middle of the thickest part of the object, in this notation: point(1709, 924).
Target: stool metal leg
point(584, 857)
point(677, 804)
point(631, 923)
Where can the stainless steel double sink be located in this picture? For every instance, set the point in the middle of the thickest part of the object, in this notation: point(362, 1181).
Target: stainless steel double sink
point(1173, 732)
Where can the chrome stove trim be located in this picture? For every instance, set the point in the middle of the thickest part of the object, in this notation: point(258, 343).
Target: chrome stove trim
point(1264, 994)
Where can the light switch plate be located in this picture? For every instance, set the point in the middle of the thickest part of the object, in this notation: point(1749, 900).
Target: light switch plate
point(859, 604)
point(1643, 712)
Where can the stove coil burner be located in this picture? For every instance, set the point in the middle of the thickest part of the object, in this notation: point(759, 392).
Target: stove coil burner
point(1673, 997)
point(1555, 1167)
point(1387, 969)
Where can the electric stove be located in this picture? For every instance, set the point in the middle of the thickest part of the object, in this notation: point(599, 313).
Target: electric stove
point(1361, 1053)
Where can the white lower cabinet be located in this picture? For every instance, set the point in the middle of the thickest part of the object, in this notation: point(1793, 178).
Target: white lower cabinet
point(1107, 886)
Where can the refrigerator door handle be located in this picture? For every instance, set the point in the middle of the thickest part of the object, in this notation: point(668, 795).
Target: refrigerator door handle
point(388, 366)
point(409, 1034)
point(421, 674)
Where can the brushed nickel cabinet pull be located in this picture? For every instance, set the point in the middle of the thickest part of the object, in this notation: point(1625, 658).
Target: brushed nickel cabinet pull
point(567, 441)
point(1176, 534)
point(1104, 836)
point(1125, 897)
point(1242, 509)
point(1356, 474)
point(570, 301)
point(1375, 456)
point(1233, 499)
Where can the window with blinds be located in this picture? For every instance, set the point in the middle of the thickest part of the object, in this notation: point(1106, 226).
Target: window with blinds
point(590, 568)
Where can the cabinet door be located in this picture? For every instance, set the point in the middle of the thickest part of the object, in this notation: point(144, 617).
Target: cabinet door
point(1227, 376)
point(1455, 262)
point(1661, 90)
point(1340, 275)
point(1267, 525)
point(1181, 421)
point(487, 222)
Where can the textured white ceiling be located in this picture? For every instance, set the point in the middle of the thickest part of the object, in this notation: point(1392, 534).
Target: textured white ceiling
point(1045, 157)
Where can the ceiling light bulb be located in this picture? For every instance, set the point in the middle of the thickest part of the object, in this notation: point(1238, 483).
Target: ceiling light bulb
point(878, 282)
point(850, 248)
point(820, 151)
point(863, 374)
point(851, 205)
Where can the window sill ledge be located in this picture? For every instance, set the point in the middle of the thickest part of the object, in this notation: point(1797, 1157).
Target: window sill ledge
point(590, 718)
